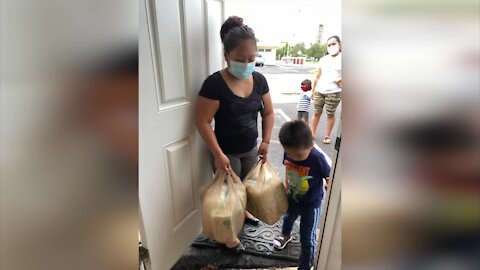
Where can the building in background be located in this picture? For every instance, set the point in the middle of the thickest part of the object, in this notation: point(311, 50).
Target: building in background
point(320, 34)
point(268, 51)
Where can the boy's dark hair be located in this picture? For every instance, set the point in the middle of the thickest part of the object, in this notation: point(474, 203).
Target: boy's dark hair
point(233, 31)
point(296, 134)
point(307, 82)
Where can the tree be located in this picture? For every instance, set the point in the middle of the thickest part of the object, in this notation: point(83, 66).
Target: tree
point(317, 51)
point(282, 51)
point(299, 48)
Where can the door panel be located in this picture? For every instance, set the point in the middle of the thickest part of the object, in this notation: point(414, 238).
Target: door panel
point(173, 163)
point(177, 157)
point(166, 33)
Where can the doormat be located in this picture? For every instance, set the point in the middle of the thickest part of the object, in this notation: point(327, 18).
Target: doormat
point(258, 240)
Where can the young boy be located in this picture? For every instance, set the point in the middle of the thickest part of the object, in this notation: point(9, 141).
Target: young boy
point(303, 105)
point(306, 168)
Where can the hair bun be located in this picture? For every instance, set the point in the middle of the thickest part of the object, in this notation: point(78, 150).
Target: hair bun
point(229, 24)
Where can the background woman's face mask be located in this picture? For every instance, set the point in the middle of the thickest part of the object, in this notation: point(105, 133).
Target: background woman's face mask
point(333, 49)
point(241, 70)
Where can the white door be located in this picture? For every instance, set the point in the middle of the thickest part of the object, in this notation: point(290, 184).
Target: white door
point(176, 54)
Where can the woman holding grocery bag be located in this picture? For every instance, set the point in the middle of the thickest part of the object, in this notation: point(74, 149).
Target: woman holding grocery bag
point(233, 97)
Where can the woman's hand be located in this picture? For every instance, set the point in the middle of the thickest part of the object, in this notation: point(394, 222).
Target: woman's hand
point(222, 163)
point(263, 151)
point(338, 82)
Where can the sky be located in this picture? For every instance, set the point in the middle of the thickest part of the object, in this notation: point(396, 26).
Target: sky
point(283, 20)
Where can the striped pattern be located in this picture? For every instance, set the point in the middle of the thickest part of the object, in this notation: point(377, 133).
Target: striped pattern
point(313, 236)
point(304, 103)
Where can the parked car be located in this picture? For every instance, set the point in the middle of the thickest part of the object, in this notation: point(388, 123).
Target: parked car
point(259, 60)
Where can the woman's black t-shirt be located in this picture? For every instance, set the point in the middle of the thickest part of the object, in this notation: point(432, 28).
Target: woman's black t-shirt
point(236, 126)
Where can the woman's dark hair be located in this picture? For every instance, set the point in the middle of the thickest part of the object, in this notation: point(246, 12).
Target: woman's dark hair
point(296, 134)
point(338, 40)
point(233, 31)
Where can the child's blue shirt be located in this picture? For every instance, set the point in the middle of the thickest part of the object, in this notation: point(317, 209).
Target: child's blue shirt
point(305, 178)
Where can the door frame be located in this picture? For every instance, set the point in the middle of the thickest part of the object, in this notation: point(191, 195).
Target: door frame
point(328, 254)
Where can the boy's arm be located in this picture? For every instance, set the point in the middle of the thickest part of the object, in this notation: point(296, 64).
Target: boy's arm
point(286, 179)
point(327, 182)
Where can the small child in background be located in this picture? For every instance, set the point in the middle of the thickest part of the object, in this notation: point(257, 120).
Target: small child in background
point(303, 106)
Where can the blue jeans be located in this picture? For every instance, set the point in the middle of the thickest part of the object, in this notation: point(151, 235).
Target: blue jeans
point(308, 234)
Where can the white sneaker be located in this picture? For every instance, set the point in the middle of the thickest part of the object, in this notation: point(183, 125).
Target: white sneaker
point(280, 241)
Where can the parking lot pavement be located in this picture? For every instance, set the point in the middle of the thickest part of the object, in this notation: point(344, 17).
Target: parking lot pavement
point(285, 88)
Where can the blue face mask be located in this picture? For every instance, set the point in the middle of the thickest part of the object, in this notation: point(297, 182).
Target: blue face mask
point(241, 70)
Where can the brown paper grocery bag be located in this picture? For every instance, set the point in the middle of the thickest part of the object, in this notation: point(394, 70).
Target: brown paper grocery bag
point(266, 195)
point(223, 207)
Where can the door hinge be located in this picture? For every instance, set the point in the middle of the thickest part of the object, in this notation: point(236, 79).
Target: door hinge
point(337, 143)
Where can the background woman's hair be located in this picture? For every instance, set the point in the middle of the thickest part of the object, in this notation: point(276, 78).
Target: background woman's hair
point(233, 31)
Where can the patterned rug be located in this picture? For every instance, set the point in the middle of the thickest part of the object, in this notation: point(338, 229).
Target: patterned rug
point(258, 240)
